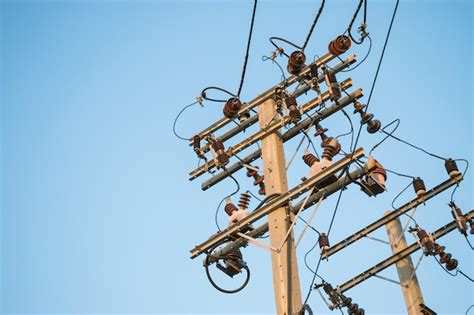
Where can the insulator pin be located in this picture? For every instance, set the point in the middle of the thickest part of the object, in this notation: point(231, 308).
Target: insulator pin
point(339, 45)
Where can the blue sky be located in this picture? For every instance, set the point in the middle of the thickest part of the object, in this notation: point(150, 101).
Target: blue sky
point(98, 215)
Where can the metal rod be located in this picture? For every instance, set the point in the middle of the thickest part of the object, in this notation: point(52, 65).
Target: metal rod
point(392, 215)
point(400, 255)
point(277, 202)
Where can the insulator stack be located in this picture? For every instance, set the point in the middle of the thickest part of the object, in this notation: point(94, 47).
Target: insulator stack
point(222, 157)
point(292, 106)
point(244, 201)
point(471, 224)
point(244, 116)
point(258, 180)
point(323, 241)
point(352, 308)
point(310, 159)
point(333, 85)
point(373, 125)
point(460, 219)
point(451, 167)
point(230, 208)
point(331, 147)
point(197, 146)
point(296, 62)
point(232, 107)
point(447, 259)
point(339, 45)
point(425, 241)
point(419, 186)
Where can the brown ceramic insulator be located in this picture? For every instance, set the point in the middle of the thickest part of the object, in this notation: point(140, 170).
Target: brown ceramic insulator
point(232, 107)
point(323, 240)
point(279, 92)
point(471, 224)
point(251, 172)
point(419, 186)
point(451, 167)
point(262, 191)
point(229, 208)
point(296, 62)
point(339, 45)
point(333, 85)
point(425, 240)
point(358, 107)
point(313, 70)
point(333, 296)
point(320, 131)
point(218, 145)
point(445, 258)
point(373, 126)
point(310, 159)
point(452, 264)
point(295, 114)
point(258, 180)
point(439, 250)
point(196, 142)
point(366, 117)
point(360, 311)
point(330, 149)
point(244, 116)
point(244, 201)
point(222, 157)
point(379, 169)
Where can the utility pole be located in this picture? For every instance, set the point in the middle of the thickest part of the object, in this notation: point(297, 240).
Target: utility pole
point(285, 268)
point(410, 287)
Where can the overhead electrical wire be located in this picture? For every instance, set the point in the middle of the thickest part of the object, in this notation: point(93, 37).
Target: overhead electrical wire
point(244, 68)
point(360, 62)
point(455, 274)
point(176, 119)
point(316, 18)
point(378, 69)
point(388, 134)
point(356, 13)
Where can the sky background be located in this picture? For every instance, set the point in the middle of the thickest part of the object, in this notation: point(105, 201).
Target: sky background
point(98, 215)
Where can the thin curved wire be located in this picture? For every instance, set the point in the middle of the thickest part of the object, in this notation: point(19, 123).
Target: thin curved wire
point(204, 96)
point(265, 58)
point(271, 39)
point(223, 199)
point(349, 28)
point(388, 135)
point(363, 59)
point(176, 119)
point(463, 174)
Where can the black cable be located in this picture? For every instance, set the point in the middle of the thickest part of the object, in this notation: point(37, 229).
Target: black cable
point(309, 225)
point(306, 256)
point(363, 59)
point(467, 240)
point(463, 174)
point(378, 68)
point(271, 39)
point(313, 280)
point(316, 18)
point(349, 28)
point(253, 195)
point(414, 146)
point(244, 69)
point(351, 132)
point(400, 174)
point(223, 199)
point(209, 277)
point(266, 199)
point(204, 96)
point(455, 274)
point(305, 307)
point(176, 119)
point(401, 192)
point(388, 135)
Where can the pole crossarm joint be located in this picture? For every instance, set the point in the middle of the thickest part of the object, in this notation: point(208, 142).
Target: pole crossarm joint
point(277, 202)
point(400, 255)
point(392, 215)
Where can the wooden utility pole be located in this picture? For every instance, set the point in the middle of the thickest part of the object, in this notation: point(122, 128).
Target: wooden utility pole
point(410, 287)
point(285, 269)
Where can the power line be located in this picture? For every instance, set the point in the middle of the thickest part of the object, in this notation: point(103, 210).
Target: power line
point(244, 69)
point(316, 18)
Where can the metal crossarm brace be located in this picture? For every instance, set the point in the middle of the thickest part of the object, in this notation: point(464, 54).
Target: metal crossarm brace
point(394, 214)
point(400, 255)
point(325, 193)
point(273, 126)
point(277, 202)
point(265, 95)
point(302, 89)
point(323, 114)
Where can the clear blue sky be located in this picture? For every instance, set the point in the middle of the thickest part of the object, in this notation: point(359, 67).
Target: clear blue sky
point(97, 213)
